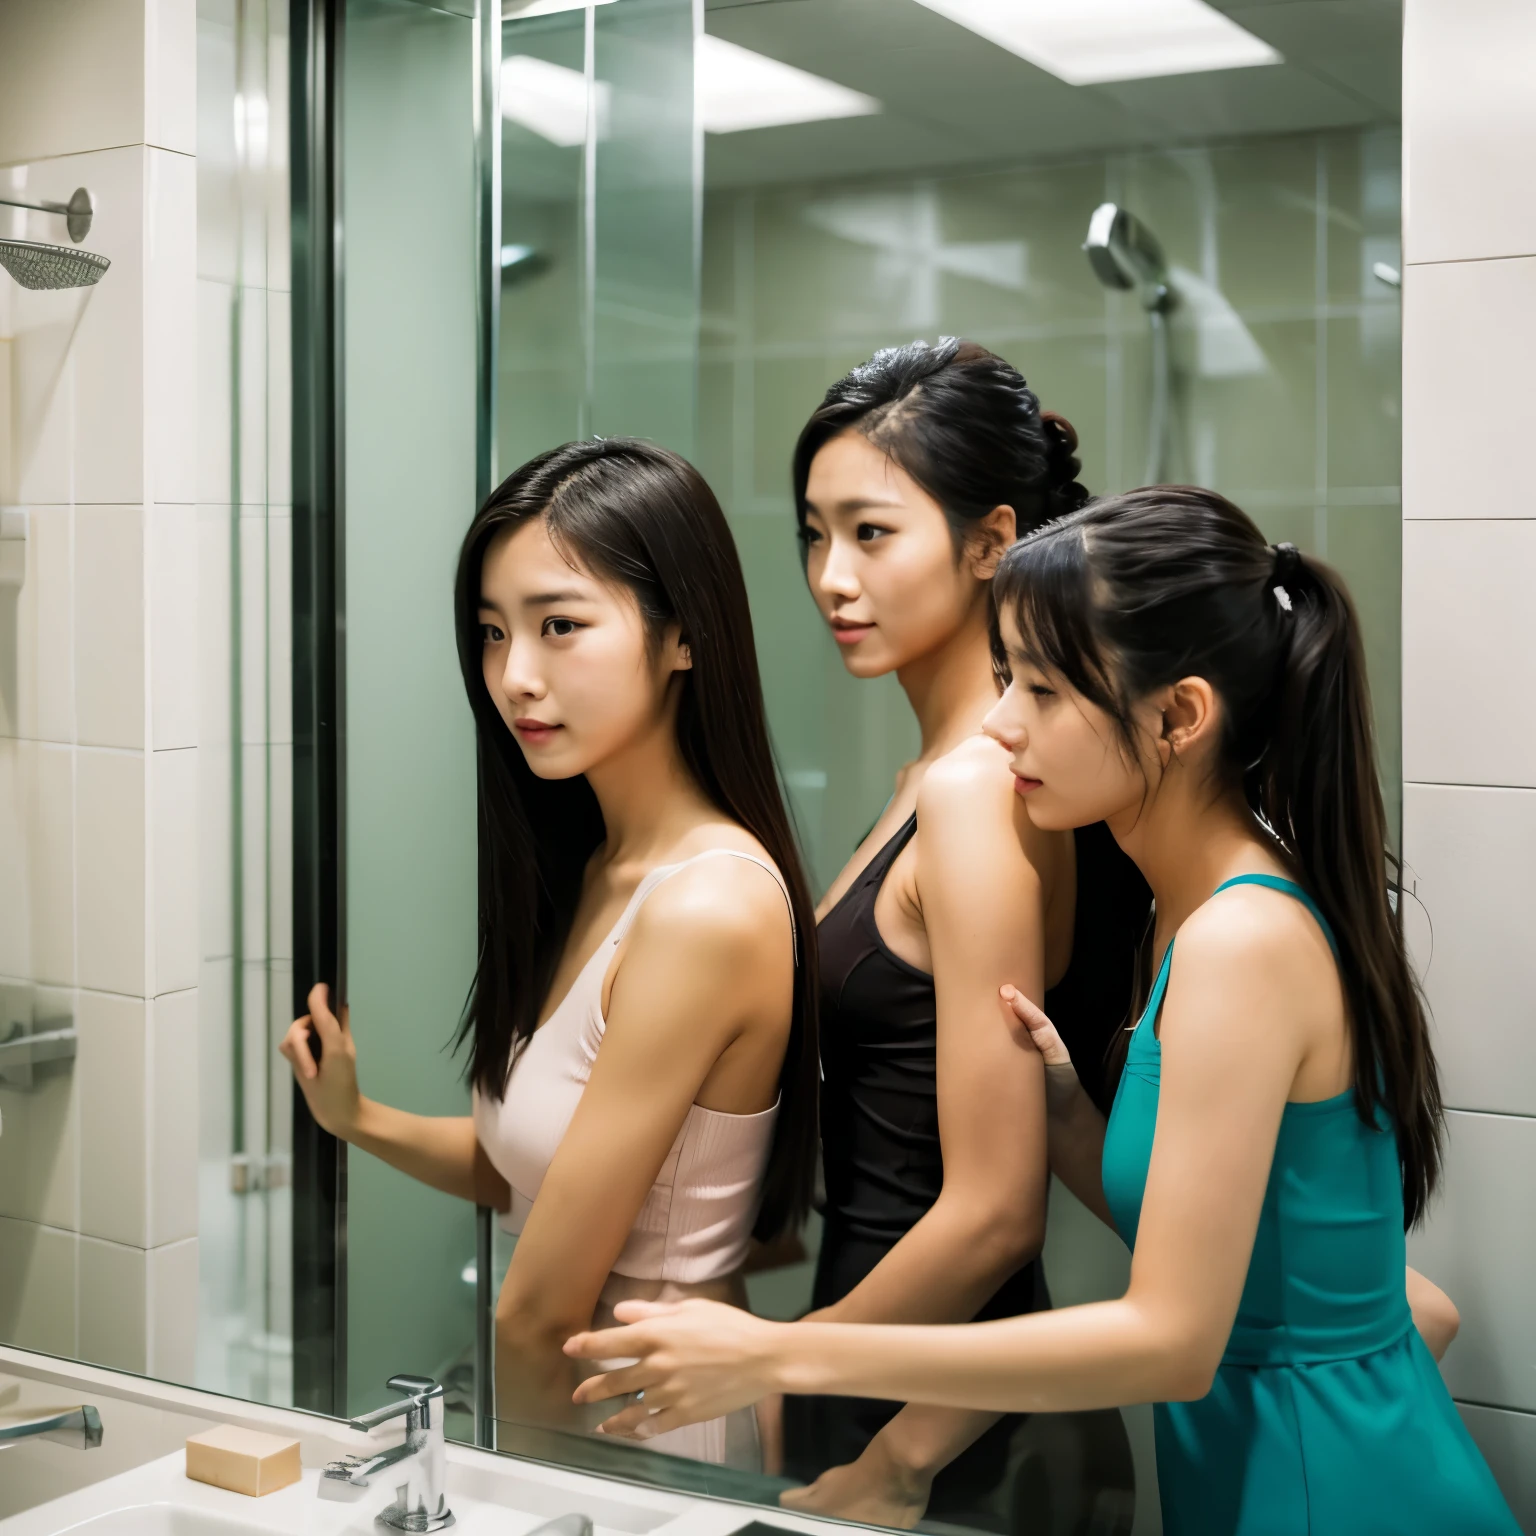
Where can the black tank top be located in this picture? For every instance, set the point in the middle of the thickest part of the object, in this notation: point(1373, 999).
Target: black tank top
point(881, 1155)
point(879, 1032)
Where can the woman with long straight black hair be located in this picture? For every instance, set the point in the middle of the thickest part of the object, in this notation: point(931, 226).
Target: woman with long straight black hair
point(642, 1026)
point(1278, 1121)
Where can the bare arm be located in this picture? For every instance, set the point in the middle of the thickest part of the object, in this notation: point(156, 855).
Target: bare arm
point(439, 1150)
point(982, 909)
point(708, 958)
point(1224, 1091)
point(1075, 1128)
point(1434, 1313)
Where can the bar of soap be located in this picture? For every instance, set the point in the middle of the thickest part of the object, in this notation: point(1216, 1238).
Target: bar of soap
point(243, 1460)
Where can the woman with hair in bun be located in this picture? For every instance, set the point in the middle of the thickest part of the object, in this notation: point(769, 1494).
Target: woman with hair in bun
point(911, 479)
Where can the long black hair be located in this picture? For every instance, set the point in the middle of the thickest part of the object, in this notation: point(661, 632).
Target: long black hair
point(963, 423)
point(643, 518)
point(1137, 591)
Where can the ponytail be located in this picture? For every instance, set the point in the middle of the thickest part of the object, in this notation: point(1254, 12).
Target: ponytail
point(1137, 591)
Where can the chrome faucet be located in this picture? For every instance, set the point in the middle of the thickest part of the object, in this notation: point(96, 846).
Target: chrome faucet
point(421, 1502)
point(79, 1427)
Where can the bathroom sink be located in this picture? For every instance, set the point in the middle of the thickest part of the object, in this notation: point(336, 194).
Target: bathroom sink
point(164, 1520)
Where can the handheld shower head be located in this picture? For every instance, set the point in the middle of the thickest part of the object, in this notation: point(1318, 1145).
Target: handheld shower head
point(1124, 253)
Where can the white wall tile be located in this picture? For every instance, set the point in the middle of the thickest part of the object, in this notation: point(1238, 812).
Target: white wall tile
point(1468, 330)
point(1470, 853)
point(1469, 120)
point(215, 390)
point(109, 626)
point(170, 330)
point(45, 629)
point(37, 1287)
point(218, 216)
point(173, 1112)
point(170, 74)
point(279, 646)
point(114, 1320)
point(51, 823)
point(109, 870)
point(173, 1312)
point(53, 1139)
point(16, 769)
point(173, 625)
point(252, 446)
point(279, 398)
point(1508, 1443)
point(111, 1070)
point(215, 1063)
point(1479, 1245)
point(1469, 649)
point(107, 353)
point(70, 82)
point(43, 392)
point(174, 869)
point(15, 1107)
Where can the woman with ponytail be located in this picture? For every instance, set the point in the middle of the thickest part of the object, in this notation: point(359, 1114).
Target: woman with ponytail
point(913, 476)
point(1277, 1124)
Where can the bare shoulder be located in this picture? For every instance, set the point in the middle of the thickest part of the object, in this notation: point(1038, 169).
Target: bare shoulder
point(973, 780)
point(1257, 947)
point(968, 797)
point(724, 910)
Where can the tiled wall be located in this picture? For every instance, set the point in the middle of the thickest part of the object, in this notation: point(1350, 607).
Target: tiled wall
point(98, 688)
point(1469, 678)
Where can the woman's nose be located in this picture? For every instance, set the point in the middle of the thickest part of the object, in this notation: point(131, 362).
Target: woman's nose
point(1001, 725)
point(519, 678)
point(836, 575)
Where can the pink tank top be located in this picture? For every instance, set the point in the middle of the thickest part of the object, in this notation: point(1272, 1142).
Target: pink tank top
point(697, 1219)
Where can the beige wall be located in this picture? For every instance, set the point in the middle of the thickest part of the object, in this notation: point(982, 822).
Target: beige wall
point(1469, 677)
point(98, 687)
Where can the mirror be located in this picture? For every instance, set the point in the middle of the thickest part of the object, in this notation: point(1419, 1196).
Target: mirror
point(853, 177)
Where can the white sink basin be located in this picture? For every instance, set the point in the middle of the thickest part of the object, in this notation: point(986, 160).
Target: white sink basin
point(489, 1496)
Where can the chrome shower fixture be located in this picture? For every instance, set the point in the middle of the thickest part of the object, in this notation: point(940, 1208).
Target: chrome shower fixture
point(36, 265)
point(1124, 253)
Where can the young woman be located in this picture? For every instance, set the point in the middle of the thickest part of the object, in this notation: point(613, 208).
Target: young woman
point(1278, 1120)
point(642, 1023)
point(911, 479)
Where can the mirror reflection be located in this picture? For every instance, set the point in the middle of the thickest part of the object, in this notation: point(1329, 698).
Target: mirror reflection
point(580, 745)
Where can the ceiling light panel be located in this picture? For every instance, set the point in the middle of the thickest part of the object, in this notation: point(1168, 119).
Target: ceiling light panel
point(736, 89)
point(547, 99)
point(519, 10)
point(1091, 42)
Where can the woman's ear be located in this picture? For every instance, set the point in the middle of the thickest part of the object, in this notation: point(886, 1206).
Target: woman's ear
point(1191, 718)
point(989, 539)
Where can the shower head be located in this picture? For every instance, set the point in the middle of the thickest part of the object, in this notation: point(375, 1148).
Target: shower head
point(34, 265)
point(1124, 253)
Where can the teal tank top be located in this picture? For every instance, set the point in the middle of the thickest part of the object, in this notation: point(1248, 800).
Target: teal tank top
point(1328, 1416)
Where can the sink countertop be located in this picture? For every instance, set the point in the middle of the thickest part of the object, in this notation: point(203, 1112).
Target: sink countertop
point(488, 1492)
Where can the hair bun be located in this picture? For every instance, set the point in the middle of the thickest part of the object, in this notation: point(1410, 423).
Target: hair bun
point(1062, 464)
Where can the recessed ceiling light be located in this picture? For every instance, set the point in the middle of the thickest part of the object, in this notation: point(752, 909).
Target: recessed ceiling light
point(735, 89)
point(1089, 42)
point(517, 10)
point(547, 99)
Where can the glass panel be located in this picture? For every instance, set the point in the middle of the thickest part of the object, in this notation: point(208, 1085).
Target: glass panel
point(409, 171)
